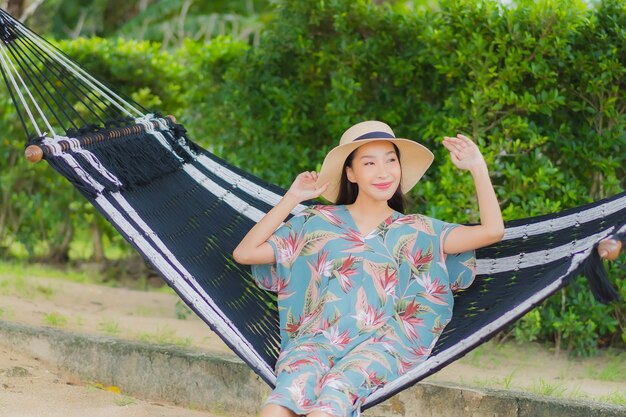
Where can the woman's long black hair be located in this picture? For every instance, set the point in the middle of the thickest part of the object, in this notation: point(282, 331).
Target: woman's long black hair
point(348, 191)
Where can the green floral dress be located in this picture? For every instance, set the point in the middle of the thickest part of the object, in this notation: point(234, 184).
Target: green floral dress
point(356, 311)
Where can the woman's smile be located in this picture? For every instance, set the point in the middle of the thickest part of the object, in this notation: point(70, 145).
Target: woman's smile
point(383, 185)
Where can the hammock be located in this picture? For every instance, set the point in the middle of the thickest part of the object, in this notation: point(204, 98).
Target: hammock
point(184, 210)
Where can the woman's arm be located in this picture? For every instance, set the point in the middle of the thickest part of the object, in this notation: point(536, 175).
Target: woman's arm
point(466, 156)
point(253, 248)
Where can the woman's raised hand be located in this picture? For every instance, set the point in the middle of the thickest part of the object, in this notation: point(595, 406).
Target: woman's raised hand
point(304, 186)
point(464, 152)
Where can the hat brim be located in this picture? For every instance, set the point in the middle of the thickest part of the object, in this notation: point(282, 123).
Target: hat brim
point(414, 160)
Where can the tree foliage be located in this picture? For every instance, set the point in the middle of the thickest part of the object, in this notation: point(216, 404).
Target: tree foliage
point(167, 21)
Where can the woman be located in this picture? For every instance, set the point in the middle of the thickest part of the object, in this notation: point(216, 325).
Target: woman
point(364, 291)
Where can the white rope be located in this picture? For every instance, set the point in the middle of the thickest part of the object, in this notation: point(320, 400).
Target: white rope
point(532, 259)
point(146, 121)
point(5, 63)
point(91, 159)
point(564, 222)
point(72, 163)
point(82, 74)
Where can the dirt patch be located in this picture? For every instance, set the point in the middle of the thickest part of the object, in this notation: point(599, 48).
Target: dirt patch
point(31, 388)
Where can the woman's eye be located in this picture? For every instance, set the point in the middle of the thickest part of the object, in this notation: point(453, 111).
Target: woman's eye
point(369, 163)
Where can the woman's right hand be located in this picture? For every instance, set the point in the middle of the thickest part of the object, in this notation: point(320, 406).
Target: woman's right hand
point(304, 187)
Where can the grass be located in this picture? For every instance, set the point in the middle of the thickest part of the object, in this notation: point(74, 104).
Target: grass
point(110, 327)
point(18, 270)
point(495, 382)
point(125, 400)
point(6, 313)
point(81, 247)
point(613, 371)
point(24, 288)
point(616, 397)
point(165, 336)
point(491, 355)
point(16, 278)
point(54, 319)
point(548, 389)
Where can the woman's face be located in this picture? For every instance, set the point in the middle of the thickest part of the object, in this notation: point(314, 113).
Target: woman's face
point(376, 170)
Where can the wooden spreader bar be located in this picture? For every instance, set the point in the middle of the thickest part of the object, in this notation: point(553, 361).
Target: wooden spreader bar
point(35, 153)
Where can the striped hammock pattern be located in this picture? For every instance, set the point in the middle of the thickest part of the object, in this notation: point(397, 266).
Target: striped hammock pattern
point(186, 223)
point(185, 210)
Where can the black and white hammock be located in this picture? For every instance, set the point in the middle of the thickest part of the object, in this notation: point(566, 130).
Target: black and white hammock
point(185, 210)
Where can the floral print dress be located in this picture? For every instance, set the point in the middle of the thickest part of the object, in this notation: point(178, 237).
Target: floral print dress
point(356, 311)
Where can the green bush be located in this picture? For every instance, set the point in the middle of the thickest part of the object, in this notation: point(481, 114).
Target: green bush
point(540, 86)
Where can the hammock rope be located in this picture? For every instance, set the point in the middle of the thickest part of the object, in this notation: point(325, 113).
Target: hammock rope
point(184, 209)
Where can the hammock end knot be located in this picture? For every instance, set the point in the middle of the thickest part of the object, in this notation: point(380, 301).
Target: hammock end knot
point(33, 153)
point(593, 268)
point(609, 249)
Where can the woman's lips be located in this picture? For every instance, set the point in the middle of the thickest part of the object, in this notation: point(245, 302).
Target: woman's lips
point(384, 185)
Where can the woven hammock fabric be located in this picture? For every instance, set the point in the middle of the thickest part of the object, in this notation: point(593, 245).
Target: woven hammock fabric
point(187, 219)
point(185, 210)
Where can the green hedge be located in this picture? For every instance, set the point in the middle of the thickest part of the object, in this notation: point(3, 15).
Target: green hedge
point(540, 86)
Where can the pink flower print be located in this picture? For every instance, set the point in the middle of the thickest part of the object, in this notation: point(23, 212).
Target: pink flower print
point(346, 270)
point(337, 339)
point(268, 282)
point(329, 213)
point(325, 408)
point(292, 328)
point(297, 393)
point(419, 353)
point(438, 326)
point(356, 239)
point(385, 342)
point(280, 285)
point(289, 247)
point(418, 261)
point(370, 318)
point(329, 321)
point(423, 224)
point(389, 281)
point(385, 280)
point(384, 226)
point(406, 219)
point(375, 380)
point(321, 267)
point(410, 322)
point(295, 366)
point(335, 380)
point(403, 365)
point(471, 265)
point(304, 321)
point(367, 317)
point(434, 290)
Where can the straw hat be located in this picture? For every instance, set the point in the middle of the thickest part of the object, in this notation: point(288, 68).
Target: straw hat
point(414, 158)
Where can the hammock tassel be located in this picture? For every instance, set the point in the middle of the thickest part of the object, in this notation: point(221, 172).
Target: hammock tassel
point(596, 274)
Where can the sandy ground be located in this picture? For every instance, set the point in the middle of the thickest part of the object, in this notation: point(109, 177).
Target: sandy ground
point(31, 388)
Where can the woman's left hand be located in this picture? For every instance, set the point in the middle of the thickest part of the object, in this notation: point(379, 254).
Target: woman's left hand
point(463, 152)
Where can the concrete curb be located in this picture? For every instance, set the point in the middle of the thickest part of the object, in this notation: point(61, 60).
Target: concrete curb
point(225, 384)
